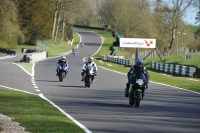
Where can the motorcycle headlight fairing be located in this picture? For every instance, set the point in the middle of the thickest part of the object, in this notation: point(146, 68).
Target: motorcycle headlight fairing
point(140, 82)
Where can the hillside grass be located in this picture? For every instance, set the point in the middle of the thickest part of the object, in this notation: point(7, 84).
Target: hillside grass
point(4, 43)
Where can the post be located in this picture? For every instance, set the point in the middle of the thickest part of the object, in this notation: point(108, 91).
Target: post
point(183, 44)
point(136, 54)
point(177, 43)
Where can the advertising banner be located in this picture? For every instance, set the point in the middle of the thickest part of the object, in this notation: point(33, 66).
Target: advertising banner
point(138, 42)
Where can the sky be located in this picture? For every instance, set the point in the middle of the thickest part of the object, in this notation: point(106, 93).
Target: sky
point(190, 16)
point(191, 13)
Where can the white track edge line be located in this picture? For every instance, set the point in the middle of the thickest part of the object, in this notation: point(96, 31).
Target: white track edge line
point(70, 117)
point(17, 90)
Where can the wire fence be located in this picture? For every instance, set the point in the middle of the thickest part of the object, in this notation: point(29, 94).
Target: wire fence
point(185, 52)
point(41, 46)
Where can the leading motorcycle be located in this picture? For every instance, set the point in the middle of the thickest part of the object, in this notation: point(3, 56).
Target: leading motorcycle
point(137, 89)
point(62, 71)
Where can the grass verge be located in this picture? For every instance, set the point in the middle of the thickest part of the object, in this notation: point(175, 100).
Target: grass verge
point(35, 114)
point(26, 66)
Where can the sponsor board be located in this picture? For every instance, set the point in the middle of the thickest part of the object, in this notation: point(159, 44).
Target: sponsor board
point(138, 42)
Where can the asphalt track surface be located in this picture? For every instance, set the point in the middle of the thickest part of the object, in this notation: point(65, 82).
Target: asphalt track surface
point(102, 108)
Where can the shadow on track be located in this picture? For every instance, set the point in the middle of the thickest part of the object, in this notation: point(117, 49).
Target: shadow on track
point(48, 80)
point(72, 86)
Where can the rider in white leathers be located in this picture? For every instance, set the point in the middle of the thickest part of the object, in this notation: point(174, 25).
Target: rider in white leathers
point(92, 64)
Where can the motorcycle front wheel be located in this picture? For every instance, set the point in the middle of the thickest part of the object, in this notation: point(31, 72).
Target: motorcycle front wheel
point(138, 98)
point(131, 102)
point(61, 76)
point(88, 81)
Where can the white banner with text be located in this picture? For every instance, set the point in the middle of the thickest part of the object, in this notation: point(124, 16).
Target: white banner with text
point(138, 42)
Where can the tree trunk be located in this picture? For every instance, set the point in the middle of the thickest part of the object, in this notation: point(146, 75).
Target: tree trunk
point(63, 30)
point(58, 22)
point(57, 29)
point(55, 19)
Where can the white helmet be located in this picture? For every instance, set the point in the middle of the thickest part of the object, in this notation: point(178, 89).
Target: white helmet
point(91, 59)
point(63, 57)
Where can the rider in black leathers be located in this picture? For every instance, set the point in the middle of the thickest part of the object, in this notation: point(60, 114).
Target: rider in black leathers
point(135, 68)
point(61, 61)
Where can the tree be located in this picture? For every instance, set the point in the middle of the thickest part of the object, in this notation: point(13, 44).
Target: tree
point(9, 25)
point(35, 19)
point(62, 19)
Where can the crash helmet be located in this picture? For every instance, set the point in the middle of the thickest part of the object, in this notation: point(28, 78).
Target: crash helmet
point(63, 57)
point(139, 61)
point(90, 59)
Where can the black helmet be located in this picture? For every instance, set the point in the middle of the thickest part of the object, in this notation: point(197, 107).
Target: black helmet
point(139, 61)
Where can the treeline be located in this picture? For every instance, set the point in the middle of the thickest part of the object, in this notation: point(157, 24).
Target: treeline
point(160, 19)
point(25, 21)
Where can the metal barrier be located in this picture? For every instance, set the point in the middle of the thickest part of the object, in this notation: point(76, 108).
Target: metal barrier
point(116, 59)
point(174, 69)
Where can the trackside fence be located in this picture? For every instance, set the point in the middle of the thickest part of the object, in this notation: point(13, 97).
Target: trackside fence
point(174, 69)
point(167, 68)
point(117, 59)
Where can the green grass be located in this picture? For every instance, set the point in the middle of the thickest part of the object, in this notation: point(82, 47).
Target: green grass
point(34, 113)
point(2, 53)
point(57, 48)
point(26, 66)
point(76, 40)
point(5, 43)
point(174, 59)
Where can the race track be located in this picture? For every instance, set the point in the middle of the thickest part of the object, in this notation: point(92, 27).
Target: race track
point(102, 108)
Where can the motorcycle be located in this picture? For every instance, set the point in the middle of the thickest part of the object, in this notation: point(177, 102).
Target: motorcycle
point(137, 88)
point(74, 52)
point(89, 75)
point(62, 71)
point(82, 45)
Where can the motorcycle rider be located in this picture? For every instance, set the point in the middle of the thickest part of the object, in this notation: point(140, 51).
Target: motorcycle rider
point(61, 61)
point(73, 50)
point(92, 64)
point(82, 44)
point(131, 75)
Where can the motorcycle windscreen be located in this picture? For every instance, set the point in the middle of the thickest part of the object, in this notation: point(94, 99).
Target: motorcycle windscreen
point(140, 75)
point(63, 64)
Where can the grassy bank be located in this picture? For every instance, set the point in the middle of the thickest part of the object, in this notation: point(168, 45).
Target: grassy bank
point(35, 114)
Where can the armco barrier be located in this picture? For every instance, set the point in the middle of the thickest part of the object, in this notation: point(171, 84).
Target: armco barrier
point(116, 59)
point(174, 69)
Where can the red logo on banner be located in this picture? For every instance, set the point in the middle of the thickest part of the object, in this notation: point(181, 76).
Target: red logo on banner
point(148, 43)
